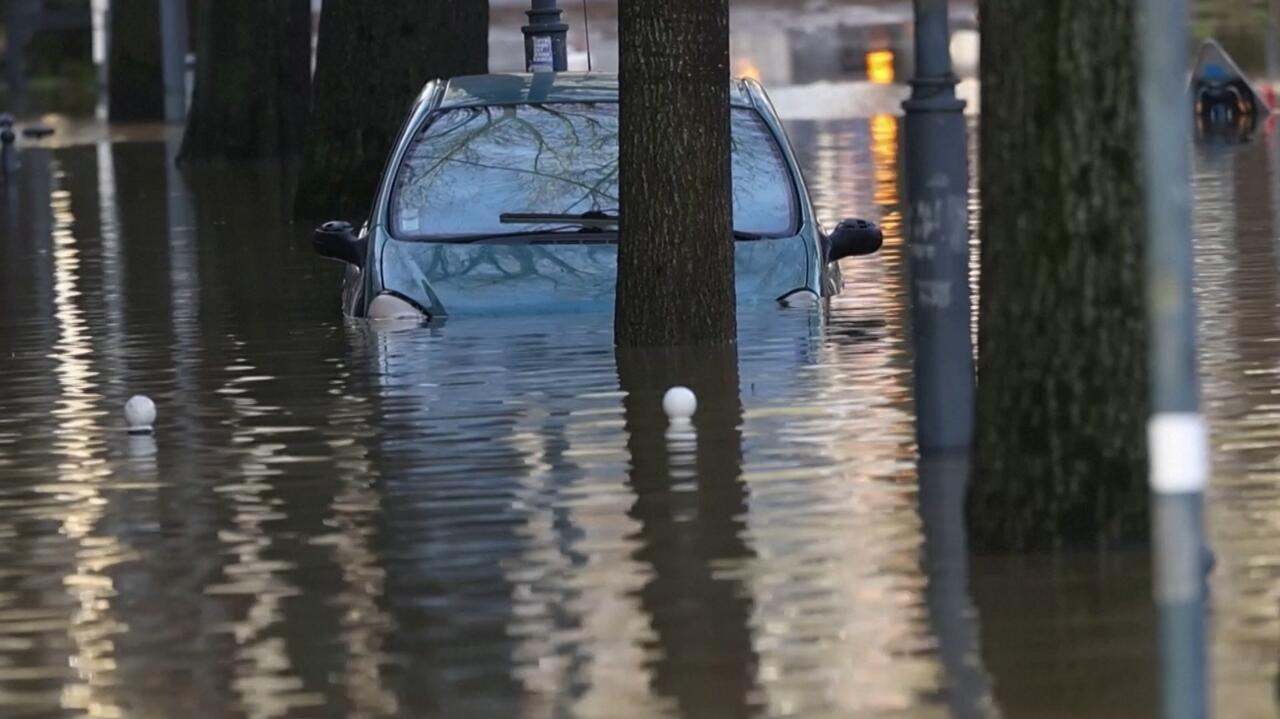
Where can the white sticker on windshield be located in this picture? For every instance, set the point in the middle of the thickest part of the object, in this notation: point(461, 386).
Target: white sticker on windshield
point(409, 222)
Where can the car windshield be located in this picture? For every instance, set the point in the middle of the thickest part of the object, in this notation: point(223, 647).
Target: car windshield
point(472, 166)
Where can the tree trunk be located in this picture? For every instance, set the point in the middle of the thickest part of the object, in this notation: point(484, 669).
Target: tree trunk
point(1061, 451)
point(675, 253)
point(136, 81)
point(253, 80)
point(373, 59)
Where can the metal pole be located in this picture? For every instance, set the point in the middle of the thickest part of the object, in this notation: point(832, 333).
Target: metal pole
point(938, 239)
point(21, 17)
point(544, 38)
point(1180, 588)
point(173, 34)
point(8, 153)
point(1177, 433)
point(100, 17)
point(944, 480)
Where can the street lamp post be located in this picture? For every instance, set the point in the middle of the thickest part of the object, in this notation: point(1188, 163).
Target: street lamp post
point(173, 42)
point(938, 239)
point(21, 17)
point(544, 38)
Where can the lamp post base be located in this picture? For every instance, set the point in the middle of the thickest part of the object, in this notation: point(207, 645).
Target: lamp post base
point(545, 40)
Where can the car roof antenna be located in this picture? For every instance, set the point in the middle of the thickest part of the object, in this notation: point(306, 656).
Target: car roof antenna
point(586, 28)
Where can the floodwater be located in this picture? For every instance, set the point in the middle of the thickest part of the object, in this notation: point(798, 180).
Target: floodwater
point(489, 518)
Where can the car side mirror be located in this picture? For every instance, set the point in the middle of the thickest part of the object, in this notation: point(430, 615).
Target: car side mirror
point(337, 241)
point(855, 238)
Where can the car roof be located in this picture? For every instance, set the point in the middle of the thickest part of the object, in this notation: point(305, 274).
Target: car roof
point(524, 88)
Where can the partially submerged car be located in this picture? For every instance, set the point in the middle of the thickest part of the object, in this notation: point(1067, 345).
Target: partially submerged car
point(1227, 106)
point(501, 197)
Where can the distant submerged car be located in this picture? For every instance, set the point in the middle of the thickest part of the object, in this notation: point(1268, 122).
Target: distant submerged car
point(1227, 106)
point(501, 197)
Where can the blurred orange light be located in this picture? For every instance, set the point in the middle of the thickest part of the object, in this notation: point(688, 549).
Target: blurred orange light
point(880, 67)
point(745, 68)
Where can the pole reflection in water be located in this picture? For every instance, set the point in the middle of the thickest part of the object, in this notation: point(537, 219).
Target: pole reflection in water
point(944, 478)
point(184, 284)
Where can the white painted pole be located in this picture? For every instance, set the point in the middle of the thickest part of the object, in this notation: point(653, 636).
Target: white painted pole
point(100, 18)
point(1178, 438)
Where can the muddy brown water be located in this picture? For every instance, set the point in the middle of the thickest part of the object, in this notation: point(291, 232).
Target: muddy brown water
point(489, 518)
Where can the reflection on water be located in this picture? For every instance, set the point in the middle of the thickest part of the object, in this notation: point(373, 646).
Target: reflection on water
point(1238, 190)
point(491, 518)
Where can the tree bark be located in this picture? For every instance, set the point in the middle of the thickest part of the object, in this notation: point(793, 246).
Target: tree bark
point(136, 80)
point(675, 252)
point(253, 80)
point(373, 60)
point(1061, 451)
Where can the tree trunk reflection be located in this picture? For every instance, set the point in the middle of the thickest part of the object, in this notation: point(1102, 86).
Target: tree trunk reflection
point(692, 511)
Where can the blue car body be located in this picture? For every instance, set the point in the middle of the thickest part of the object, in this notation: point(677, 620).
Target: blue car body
point(445, 276)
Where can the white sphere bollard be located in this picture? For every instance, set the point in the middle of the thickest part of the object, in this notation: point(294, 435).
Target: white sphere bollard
point(140, 413)
point(680, 403)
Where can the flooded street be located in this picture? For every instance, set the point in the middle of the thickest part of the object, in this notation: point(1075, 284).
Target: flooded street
point(470, 519)
point(489, 518)
point(486, 517)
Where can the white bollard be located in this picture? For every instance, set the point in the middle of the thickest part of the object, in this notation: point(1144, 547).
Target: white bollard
point(140, 413)
point(680, 403)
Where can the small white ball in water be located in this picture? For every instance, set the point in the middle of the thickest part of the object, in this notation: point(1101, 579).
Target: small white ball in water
point(680, 403)
point(140, 413)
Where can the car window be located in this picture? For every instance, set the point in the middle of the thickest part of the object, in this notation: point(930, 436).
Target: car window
point(471, 165)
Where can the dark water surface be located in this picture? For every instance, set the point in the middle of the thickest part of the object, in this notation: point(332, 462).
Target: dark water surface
point(488, 518)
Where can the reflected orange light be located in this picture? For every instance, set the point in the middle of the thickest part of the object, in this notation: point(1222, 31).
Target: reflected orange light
point(880, 67)
point(884, 151)
point(745, 68)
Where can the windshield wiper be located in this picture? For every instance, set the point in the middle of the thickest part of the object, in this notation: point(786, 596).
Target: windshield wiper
point(562, 229)
point(591, 218)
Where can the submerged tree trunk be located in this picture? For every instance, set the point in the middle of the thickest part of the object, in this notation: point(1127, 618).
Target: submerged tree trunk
point(675, 253)
point(373, 60)
point(253, 80)
point(136, 80)
point(1061, 451)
